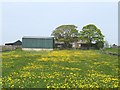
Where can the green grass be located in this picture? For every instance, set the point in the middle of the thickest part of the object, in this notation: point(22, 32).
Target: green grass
point(59, 69)
point(113, 50)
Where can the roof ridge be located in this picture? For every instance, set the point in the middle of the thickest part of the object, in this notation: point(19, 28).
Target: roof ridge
point(36, 37)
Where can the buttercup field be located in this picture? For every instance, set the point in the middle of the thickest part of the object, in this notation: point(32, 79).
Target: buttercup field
point(59, 69)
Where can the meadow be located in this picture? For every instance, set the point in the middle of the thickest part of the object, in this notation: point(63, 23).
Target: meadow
point(59, 69)
point(113, 50)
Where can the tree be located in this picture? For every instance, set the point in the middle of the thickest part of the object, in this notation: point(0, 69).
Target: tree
point(66, 34)
point(90, 33)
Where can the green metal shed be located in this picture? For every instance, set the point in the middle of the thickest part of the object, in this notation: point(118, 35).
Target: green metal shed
point(37, 43)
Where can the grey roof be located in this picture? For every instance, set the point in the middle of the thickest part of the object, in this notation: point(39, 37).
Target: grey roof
point(18, 42)
point(36, 37)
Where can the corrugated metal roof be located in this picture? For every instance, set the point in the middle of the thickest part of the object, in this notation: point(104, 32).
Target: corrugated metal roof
point(36, 37)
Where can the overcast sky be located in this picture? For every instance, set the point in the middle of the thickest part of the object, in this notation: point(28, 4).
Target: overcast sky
point(40, 19)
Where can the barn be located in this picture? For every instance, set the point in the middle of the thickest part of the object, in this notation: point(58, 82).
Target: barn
point(37, 43)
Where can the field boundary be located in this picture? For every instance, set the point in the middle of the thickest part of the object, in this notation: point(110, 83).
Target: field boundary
point(111, 53)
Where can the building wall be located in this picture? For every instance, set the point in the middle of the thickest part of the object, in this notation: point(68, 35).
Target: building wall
point(38, 43)
point(35, 49)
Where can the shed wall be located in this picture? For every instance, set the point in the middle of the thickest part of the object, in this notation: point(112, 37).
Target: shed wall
point(47, 43)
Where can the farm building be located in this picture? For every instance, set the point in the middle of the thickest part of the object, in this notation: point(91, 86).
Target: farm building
point(17, 43)
point(59, 45)
point(13, 46)
point(37, 43)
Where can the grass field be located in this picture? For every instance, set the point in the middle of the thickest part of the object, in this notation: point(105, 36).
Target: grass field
point(59, 69)
point(113, 50)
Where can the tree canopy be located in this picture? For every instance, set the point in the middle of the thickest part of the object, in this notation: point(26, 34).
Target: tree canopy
point(66, 34)
point(90, 33)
